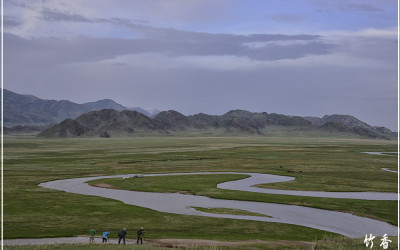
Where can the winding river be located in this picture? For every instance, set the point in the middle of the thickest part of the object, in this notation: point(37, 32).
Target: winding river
point(385, 154)
point(337, 222)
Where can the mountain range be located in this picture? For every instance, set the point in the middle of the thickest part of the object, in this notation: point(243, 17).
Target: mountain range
point(28, 110)
point(106, 118)
point(112, 123)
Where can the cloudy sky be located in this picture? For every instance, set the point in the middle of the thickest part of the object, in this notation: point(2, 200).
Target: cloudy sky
point(293, 57)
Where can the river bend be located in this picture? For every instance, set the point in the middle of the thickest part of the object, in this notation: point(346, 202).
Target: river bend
point(337, 222)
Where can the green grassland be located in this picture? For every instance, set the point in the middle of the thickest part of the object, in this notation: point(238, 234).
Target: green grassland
point(317, 163)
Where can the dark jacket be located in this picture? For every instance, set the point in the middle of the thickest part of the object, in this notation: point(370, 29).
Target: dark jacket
point(140, 232)
point(122, 233)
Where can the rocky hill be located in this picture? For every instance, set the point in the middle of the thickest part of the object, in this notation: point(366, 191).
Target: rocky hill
point(346, 120)
point(335, 127)
point(348, 123)
point(103, 123)
point(203, 121)
point(171, 120)
point(110, 123)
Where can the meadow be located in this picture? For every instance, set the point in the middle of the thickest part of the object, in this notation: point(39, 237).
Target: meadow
point(326, 164)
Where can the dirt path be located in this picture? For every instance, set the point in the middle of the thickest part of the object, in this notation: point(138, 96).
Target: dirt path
point(167, 243)
point(61, 240)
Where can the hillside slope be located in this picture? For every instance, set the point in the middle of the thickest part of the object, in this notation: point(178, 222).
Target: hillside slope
point(349, 123)
point(104, 123)
point(110, 123)
point(28, 110)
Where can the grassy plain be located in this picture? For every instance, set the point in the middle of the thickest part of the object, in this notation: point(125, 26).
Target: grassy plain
point(317, 163)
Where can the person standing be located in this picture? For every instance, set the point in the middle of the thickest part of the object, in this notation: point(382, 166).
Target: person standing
point(105, 236)
point(92, 233)
point(140, 235)
point(122, 235)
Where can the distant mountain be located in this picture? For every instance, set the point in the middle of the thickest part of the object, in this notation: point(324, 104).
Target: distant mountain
point(28, 110)
point(314, 120)
point(67, 128)
point(242, 120)
point(245, 121)
point(337, 127)
point(203, 121)
point(255, 123)
point(349, 122)
point(110, 123)
point(103, 123)
point(346, 120)
point(172, 120)
point(149, 113)
point(105, 104)
point(106, 118)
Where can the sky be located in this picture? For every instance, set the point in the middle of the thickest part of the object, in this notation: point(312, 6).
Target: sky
point(292, 57)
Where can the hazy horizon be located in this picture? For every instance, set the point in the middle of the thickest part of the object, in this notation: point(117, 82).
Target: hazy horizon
point(303, 57)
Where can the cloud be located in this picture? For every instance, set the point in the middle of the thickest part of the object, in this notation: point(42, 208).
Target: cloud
point(358, 7)
point(10, 21)
point(50, 15)
point(100, 18)
point(168, 42)
point(173, 49)
point(38, 14)
point(144, 53)
point(351, 5)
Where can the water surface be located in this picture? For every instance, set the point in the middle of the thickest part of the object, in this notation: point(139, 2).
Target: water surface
point(337, 222)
